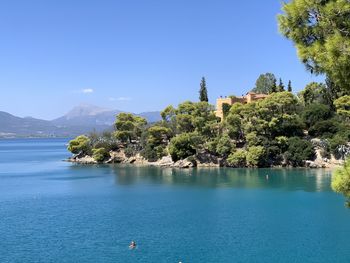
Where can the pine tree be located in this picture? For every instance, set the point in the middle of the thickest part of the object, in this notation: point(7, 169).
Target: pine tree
point(264, 83)
point(290, 89)
point(320, 31)
point(280, 86)
point(203, 92)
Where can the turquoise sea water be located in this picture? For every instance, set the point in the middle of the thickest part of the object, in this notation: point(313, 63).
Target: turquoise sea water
point(54, 211)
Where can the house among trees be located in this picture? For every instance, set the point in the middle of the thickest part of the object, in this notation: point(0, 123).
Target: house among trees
point(248, 98)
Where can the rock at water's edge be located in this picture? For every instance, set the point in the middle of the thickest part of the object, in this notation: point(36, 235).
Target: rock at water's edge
point(83, 160)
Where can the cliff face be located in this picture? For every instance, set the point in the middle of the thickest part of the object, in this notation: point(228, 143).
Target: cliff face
point(323, 162)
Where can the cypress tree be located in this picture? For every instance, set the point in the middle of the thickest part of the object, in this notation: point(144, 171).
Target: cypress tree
point(274, 87)
point(203, 92)
point(280, 86)
point(290, 89)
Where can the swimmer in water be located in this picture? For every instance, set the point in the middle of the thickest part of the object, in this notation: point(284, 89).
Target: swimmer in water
point(132, 245)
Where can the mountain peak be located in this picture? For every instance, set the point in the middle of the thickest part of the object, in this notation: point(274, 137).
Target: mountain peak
point(85, 109)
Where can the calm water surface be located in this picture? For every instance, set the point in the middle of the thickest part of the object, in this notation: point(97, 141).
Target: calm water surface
point(53, 211)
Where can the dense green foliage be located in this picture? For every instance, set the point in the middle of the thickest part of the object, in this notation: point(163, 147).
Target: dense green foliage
point(341, 181)
point(314, 93)
point(266, 84)
point(275, 116)
point(255, 156)
point(238, 158)
point(96, 145)
point(321, 33)
point(298, 151)
point(129, 127)
point(226, 109)
point(80, 145)
point(183, 145)
point(154, 142)
point(314, 113)
point(342, 106)
point(224, 145)
point(100, 154)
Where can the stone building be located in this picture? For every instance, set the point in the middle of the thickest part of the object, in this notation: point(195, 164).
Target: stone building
point(248, 98)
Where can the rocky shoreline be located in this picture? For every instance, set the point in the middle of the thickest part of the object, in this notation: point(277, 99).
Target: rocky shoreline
point(119, 157)
point(166, 161)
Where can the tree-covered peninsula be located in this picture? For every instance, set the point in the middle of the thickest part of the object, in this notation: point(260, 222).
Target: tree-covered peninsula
point(281, 130)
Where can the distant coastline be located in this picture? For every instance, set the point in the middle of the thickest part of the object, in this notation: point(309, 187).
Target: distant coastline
point(81, 119)
point(35, 137)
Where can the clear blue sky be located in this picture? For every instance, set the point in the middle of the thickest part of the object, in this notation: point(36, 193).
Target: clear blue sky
point(136, 55)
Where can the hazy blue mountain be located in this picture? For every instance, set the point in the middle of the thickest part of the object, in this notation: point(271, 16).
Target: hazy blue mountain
point(88, 116)
point(82, 119)
point(11, 125)
point(151, 116)
point(93, 116)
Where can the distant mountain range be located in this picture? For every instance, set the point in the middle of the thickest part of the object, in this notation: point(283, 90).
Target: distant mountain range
point(80, 120)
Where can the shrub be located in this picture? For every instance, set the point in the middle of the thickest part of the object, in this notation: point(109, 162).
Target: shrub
point(100, 154)
point(154, 142)
point(255, 156)
point(341, 181)
point(211, 145)
point(225, 146)
point(325, 128)
point(299, 150)
point(80, 145)
point(105, 140)
point(238, 158)
point(149, 153)
point(282, 142)
point(130, 150)
point(233, 126)
point(183, 145)
point(342, 105)
point(316, 112)
point(226, 109)
point(158, 135)
point(253, 139)
point(273, 151)
point(290, 126)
